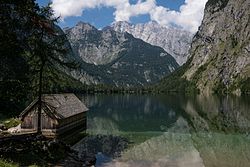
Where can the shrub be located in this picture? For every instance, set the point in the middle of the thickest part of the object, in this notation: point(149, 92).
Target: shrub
point(13, 122)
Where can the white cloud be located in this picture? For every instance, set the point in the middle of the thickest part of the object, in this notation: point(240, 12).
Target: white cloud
point(126, 12)
point(189, 17)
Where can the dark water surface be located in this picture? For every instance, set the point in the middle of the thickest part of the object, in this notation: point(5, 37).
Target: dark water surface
point(173, 130)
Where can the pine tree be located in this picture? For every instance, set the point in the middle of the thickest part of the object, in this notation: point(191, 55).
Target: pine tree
point(30, 38)
point(47, 49)
point(14, 70)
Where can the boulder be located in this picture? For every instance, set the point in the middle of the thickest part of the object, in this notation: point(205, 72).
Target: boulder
point(16, 129)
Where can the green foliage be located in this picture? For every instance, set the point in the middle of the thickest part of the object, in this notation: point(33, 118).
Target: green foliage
point(219, 88)
point(198, 74)
point(239, 84)
point(175, 82)
point(234, 41)
point(13, 122)
point(59, 82)
point(42, 151)
point(4, 163)
point(222, 45)
point(14, 80)
point(245, 86)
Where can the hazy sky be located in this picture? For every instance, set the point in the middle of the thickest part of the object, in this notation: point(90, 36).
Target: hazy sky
point(185, 14)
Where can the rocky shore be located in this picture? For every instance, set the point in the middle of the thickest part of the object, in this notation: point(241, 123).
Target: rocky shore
point(53, 152)
point(33, 150)
point(91, 146)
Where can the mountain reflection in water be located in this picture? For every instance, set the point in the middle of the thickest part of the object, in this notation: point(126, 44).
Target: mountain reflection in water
point(174, 130)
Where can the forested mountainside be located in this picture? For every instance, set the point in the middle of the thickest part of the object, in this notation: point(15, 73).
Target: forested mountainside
point(175, 41)
point(219, 56)
point(117, 58)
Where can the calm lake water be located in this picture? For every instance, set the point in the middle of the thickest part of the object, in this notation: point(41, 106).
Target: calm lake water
point(173, 130)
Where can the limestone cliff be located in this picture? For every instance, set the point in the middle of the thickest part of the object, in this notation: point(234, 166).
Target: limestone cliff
point(220, 52)
point(219, 58)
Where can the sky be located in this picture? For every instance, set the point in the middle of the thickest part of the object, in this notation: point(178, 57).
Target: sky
point(184, 14)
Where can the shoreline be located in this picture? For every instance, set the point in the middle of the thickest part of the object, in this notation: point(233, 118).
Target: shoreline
point(55, 152)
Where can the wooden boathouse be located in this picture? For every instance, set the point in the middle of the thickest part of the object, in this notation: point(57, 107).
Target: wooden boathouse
point(60, 114)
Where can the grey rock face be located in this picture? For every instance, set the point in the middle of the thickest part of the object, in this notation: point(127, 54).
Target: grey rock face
point(117, 58)
point(174, 41)
point(220, 49)
point(94, 46)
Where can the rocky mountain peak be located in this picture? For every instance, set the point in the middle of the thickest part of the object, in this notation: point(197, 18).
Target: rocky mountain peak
point(174, 41)
point(121, 24)
point(85, 26)
point(117, 58)
point(95, 46)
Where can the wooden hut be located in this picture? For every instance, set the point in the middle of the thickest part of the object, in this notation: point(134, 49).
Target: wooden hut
point(60, 113)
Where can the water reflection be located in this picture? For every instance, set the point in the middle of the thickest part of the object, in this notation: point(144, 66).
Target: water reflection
point(174, 130)
point(228, 114)
point(130, 113)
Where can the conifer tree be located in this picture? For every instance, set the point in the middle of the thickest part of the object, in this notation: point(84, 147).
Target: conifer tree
point(47, 49)
point(29, 36)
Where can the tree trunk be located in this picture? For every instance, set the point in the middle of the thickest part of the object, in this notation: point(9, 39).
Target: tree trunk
point(39, 114)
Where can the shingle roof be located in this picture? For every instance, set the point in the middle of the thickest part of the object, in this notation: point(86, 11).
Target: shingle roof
point(60, 105)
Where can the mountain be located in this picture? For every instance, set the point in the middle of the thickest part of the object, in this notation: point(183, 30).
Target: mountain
point(117, 58)
point(220, 50)
point(94, 46)
point(175, 41)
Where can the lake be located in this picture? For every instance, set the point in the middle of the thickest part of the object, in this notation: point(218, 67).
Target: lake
point(172, 130)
